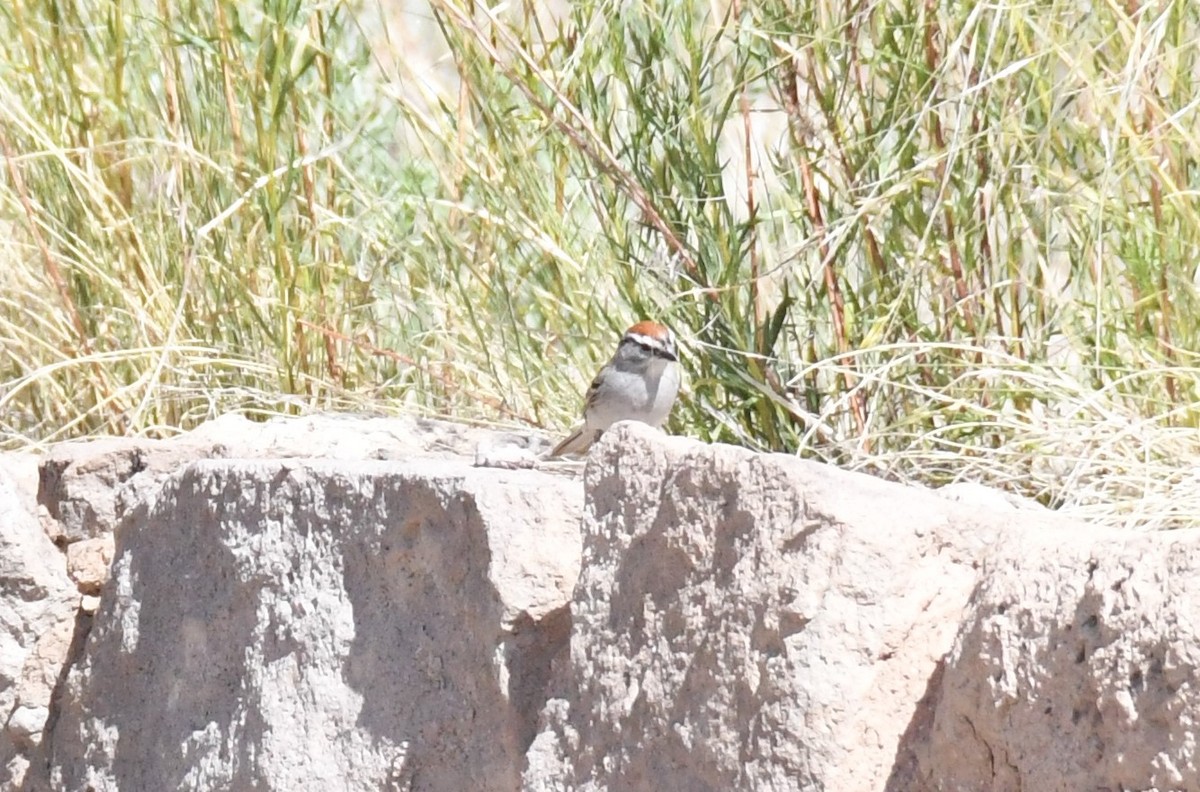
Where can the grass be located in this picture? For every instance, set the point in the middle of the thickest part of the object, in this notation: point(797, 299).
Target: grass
point(937, 241)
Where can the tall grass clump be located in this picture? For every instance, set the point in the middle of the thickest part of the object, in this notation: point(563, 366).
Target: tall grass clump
point(938, 240)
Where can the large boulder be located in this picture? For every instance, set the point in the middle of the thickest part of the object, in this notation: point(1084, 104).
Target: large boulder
point(748, 621)
point(299, 625)
point(1077, 667)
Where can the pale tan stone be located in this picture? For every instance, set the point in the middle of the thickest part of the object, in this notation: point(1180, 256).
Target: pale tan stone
point(39, 676)
point(748, 621)
point(87, 486)
point(741, 621)
point(36, 605)
point(1077, 667)
point(88, 562)
point(302, 624)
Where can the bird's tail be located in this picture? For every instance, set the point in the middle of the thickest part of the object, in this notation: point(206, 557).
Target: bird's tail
point(578, 442)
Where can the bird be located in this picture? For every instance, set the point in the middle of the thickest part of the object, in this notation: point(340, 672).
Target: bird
point(639, 383)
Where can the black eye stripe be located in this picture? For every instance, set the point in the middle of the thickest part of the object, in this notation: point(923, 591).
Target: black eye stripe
point(654, 350)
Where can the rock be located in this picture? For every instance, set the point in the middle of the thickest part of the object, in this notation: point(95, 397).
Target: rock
point(502, 453)
point(354, 437)
point(88, 561)
point(36, 600)
point(1077, 667)
point(39, 676)
point(393, 618)
point(298, 625)
point(985, 497)
point(87, 486)
point(748, 621)
point(21, 467)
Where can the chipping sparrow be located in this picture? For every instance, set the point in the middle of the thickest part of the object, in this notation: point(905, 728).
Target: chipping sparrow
point(639, 384)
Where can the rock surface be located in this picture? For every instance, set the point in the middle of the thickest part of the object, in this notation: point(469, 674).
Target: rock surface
point(88, 561)
point(1077, 667)
point(753, 622)
point(87, 486)
point(37, 603)
point(342, 603)
point(21, 468)
point(304, 625)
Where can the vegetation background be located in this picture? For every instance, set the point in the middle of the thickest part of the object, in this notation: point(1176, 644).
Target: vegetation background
point(937, 240)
